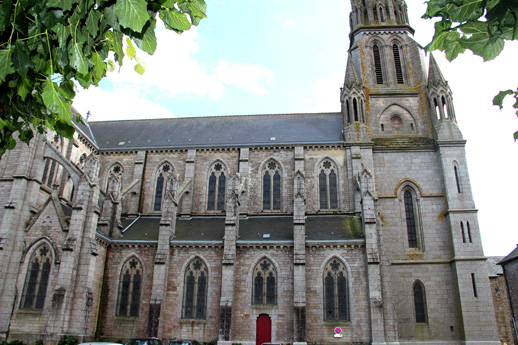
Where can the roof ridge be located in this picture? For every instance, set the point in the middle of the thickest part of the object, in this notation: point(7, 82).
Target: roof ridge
point(218, 117)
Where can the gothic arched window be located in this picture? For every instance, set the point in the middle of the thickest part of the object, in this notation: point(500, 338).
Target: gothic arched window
point(264, 283)
point(37, 278)
point(161, 175)
point(398, 65)
point(216, 189)
point(410, 220)
point(271, 186)
point(116, 171)
point(195, 290)
point(328, 185)
point(457, 179)
point(336, 303)
point(130, 286)
point(419, 302)
point(49, 172)
point(377, 64)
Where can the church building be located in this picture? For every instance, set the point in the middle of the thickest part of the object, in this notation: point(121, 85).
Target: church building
point(353, 227)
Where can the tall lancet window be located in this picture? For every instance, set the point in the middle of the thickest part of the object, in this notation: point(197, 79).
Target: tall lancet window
point(419, 302)
point(410, 220)
point(377, 64)
point(161, 176)
point(49, 172)
point(336, 301)
point(271, 186)
point(328, 185)
point(397, 63)
point(264, 283)
point(130, 287)
point(216, 188)
point(37, 279)
point(195, 290)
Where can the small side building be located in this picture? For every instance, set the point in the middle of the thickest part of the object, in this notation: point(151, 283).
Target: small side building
point(504, 321)
point(510, 269)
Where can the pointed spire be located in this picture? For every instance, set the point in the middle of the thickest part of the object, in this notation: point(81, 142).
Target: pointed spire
point(351, 77)
point(435, 76)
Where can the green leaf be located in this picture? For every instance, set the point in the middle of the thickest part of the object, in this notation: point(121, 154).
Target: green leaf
point(473, 28)
point(466, 10)
point(132, 14)
point(110, 65)
point(140, 69)
point(55, 102)
point(6, 64)
point(99, 68)
point(21, 61)
point(24, 88)
point(175, 20)
point(515, 135)
point(92, 23)
point(499, 99)
point(5, 14)
point(147, 40)
point(65, 5)
point(452, 45)
point(115, 39)
point(76, 57)
point(130, 49)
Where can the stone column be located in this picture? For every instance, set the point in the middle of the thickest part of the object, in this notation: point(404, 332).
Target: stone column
point(235, 189)
point(189, 174)
point(83, 223)
point(12, 224)
point(172, 197)
point(299, 250)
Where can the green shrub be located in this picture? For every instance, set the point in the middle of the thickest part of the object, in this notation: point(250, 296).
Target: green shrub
point(66, 340)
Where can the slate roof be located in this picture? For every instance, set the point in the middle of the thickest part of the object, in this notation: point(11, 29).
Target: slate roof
point(246, 130)
point(511, 257)
point(84, 128)
point(252, 229)
point(493, 267)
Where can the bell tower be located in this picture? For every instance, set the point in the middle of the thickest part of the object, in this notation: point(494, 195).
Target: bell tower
point(406, 154)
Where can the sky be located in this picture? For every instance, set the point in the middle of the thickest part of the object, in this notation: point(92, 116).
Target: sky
point(289, 56)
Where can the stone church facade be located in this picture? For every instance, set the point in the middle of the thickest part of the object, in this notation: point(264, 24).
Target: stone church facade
point(252, 229)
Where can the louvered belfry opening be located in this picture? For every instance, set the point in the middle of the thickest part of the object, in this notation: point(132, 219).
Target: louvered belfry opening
point(397, 62)
point(377, 64)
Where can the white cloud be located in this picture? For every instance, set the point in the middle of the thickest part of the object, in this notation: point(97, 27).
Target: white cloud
point(120, 104)
point(245, 76)
point(284, 21)
point(326, 94)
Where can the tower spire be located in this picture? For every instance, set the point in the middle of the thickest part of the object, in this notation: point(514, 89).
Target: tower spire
point(367, 13)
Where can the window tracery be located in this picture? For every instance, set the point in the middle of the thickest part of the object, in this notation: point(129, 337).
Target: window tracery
point(336, 301)
point(328, 185)
point(271, 186)
point(264, 283)
point(195, 290)
point(164, 170)
point(37, 279)
point(130, 286)
point(410, 220)
point(217, 187)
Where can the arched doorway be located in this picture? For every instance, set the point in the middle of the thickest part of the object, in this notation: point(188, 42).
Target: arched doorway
point(263, 329)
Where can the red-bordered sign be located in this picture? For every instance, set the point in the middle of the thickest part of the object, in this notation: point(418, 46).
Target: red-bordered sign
point(338, 330)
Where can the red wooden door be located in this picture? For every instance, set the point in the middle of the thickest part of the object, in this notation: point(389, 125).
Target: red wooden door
point(263, 329)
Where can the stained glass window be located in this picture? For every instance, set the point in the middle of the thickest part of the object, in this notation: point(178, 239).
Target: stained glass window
point(130, 287)
point(264, 283)
point(410, 220)
point(216, 188)
point(336, 302)
point(272, 186)
point(162, 173)
point(37, 279)
point(328, 185)
point(195, 291)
